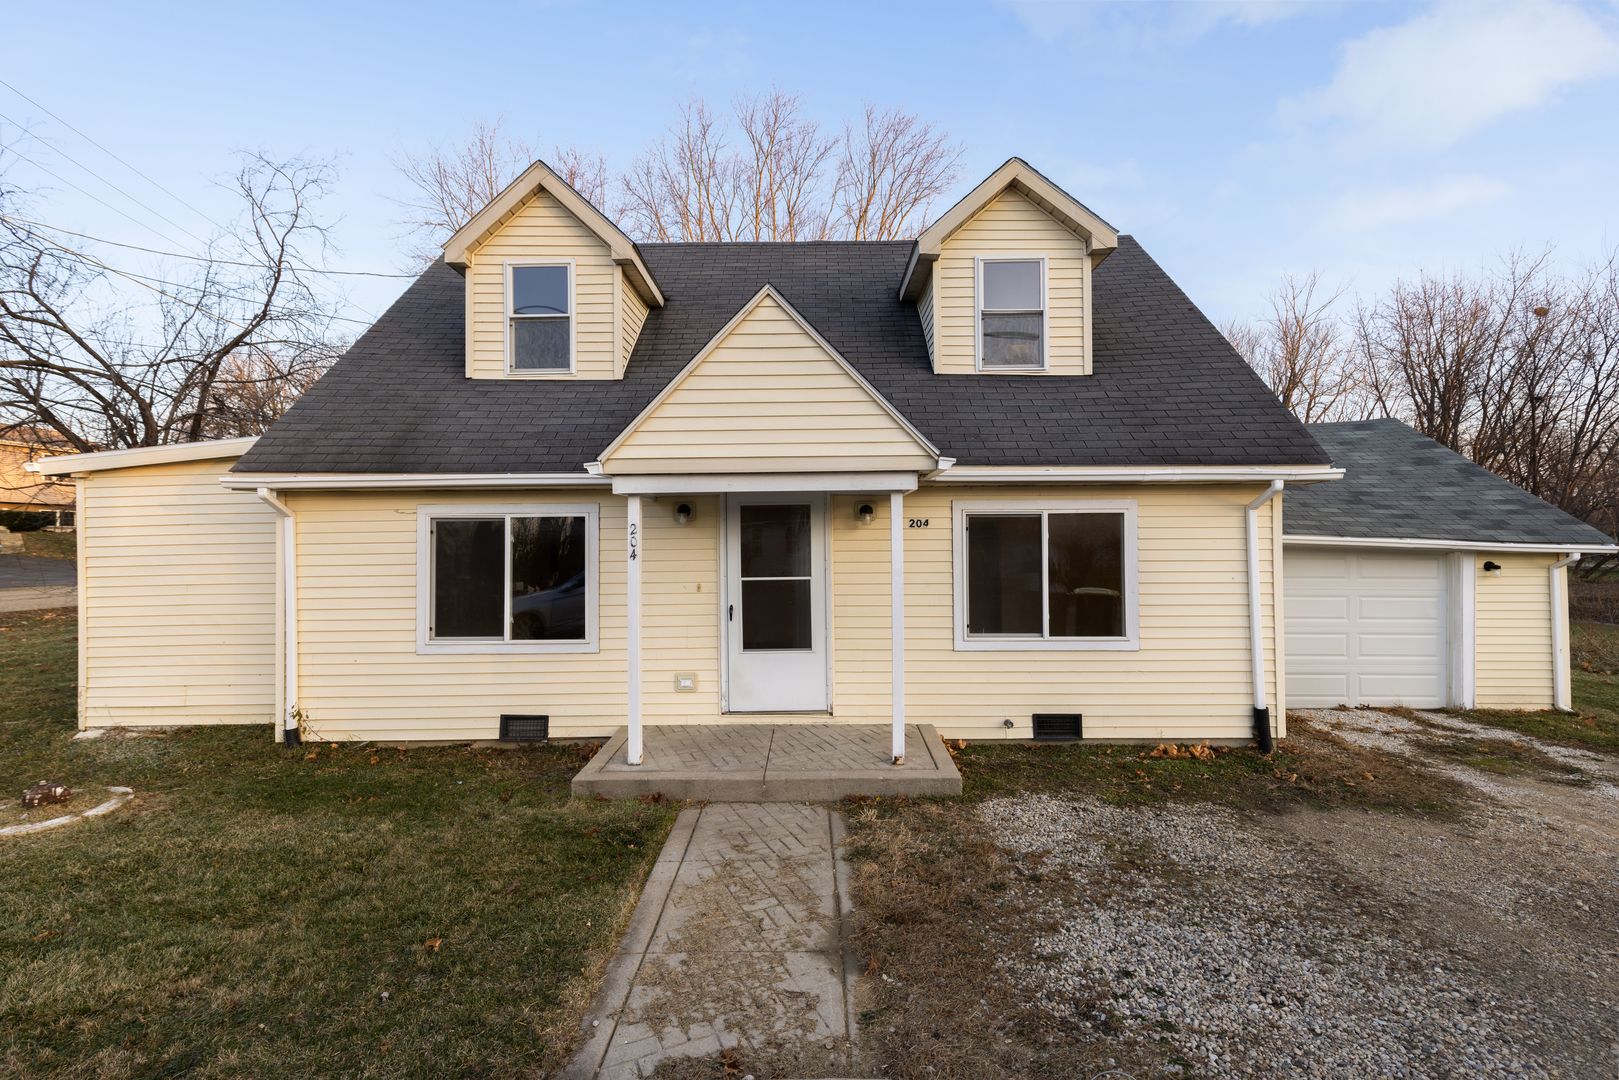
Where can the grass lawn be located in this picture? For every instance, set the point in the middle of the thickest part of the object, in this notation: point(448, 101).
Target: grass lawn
point(261, 911)
point(1593, 725)
point(50, 545)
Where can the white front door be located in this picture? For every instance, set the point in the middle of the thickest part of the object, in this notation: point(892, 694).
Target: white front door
point(775, 616)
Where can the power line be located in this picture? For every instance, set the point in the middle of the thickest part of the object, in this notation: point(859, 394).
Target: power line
point(75, 161)
point(110, 154)
point(89, 195)
point(194, 258)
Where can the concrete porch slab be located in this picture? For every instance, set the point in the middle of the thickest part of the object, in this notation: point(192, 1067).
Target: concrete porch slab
point(770, 763)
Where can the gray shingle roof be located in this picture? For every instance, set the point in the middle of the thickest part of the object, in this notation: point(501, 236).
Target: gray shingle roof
point(1167, 388)
point(1402, 485)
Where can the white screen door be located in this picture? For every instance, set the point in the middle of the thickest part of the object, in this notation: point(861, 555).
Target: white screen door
point(775, 618)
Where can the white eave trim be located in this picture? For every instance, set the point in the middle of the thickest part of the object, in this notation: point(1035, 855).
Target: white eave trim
point(1146, 474)
point(385, 481)
point(1296, 540)
point(731, 483)
point(142, 455)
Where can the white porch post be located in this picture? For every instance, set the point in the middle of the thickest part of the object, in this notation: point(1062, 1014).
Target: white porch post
point(632, 602)
point(896, 547)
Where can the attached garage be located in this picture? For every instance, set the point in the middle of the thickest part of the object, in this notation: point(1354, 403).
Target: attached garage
point(1367, 627)
point(1420, 579)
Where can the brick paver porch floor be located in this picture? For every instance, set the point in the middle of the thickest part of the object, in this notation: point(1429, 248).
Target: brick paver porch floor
point(757, 762)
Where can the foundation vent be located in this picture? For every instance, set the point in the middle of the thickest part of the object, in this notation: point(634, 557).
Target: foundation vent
point(1058, 727)
point(518, 728)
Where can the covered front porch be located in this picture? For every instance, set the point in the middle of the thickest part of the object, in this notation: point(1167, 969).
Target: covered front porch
point(771, 762)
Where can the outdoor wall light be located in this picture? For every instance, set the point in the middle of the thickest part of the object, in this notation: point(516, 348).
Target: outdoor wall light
point(683, 514)
point(866, 514)
point(1492, 568)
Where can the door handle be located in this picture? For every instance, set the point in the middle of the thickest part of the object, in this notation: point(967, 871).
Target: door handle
point(730, 613)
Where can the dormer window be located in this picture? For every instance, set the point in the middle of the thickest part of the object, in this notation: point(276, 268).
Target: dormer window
point(539, 318)
point(1011, 296)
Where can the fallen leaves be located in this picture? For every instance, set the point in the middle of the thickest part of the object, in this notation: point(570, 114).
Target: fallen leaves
point(1202, 751)
point(432, 944)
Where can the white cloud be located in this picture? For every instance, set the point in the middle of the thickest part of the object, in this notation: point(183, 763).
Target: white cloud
point(1408, 204)
point(1431, 81)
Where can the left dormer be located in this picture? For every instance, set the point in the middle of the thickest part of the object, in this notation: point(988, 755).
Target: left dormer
point(554, 290)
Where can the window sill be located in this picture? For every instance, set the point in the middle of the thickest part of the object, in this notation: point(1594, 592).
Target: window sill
point(494, 648)
point(1048, 645)
point(560, 373)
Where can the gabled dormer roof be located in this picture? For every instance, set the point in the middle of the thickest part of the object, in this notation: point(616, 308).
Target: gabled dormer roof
point(537, 177)
point(1100, 237)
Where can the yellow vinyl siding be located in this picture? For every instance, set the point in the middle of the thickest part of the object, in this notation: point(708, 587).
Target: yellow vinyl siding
point(1011, 225)
point(539, 229)
point(361, 677)
point(767, 398)
point(632, 315)
point(1513, 633)
point(179, 599)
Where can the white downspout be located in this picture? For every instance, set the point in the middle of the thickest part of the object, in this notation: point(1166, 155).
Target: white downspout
point(286, 722)
point(1256, 637)
point(1562, 698)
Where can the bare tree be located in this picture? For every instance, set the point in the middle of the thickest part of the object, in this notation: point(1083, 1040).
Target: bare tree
point(893, 168)
point(107, 358)
point(1299, 351)
point(450, 184)
point(776, 181)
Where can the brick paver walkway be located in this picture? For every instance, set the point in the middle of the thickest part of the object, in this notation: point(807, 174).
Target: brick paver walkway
point(738, 942)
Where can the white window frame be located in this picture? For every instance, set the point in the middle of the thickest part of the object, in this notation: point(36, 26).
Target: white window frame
point(961, 509)
point(427, 644)
point(512, 371)
point(978, 312)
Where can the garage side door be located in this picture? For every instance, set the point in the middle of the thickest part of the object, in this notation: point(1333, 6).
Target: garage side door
point(1365, 628)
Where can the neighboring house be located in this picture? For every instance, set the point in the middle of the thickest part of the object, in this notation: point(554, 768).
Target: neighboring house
point(1005, 479)
point(1424, 580)
point(24, 490)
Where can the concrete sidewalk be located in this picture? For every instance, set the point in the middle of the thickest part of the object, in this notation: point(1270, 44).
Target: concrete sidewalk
point(739, 941)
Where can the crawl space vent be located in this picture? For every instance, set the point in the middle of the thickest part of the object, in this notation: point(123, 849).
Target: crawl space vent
point(514, 728)
point(1055, 727)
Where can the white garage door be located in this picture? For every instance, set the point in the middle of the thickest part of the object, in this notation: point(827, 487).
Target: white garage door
point(1365, 628)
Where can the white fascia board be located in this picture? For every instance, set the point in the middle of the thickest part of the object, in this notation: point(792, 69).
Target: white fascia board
point(1294, 540)
point(142, 455)
point(732, 483)
point(1147, 474)
point(384, 481)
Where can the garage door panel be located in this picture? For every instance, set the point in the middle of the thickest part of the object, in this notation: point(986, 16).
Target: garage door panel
point(1365, 628)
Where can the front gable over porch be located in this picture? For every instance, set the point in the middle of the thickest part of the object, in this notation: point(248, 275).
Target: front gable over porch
point(768, 394)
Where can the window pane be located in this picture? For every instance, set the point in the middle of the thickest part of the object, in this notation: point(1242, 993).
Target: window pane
point(1012, 340)
point(468, 577)
point(775, 541)
point(540, 344)
point(1012, 286)
point(549, 590)
point(1003, 574)
point(1086, 575)
point(776, 614)
point(539, 290)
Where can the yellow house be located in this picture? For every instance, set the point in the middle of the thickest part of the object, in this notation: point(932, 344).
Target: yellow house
point(1004, 480)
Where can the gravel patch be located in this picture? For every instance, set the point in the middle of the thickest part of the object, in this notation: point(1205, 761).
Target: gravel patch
point(1222, 948)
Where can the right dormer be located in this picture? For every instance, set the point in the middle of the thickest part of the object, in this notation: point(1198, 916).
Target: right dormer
point(1002, 281)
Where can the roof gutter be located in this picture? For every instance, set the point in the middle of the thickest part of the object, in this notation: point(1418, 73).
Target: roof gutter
point(1143, 474)
point(368, 481)
point(1446, 545)
point(1256, 643)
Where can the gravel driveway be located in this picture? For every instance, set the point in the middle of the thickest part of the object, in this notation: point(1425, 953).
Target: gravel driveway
point(1204, 941)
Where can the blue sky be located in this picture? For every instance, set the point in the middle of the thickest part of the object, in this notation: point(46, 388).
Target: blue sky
point(1237, 141)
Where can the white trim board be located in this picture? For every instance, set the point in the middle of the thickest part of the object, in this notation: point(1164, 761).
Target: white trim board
point(143, 455)
point(1444, 545)
point(1133, 474)
point(875, 483)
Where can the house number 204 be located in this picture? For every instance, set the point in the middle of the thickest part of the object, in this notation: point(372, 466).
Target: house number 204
point(919, 523)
